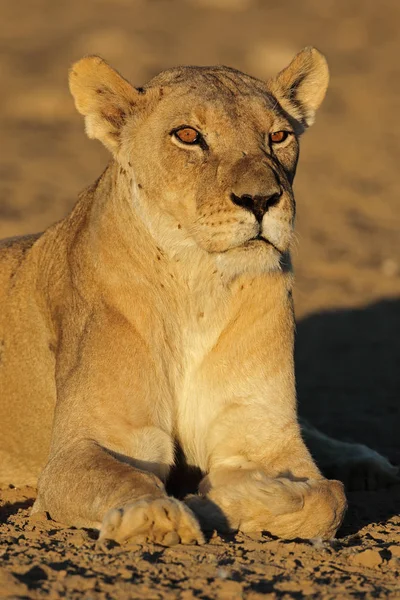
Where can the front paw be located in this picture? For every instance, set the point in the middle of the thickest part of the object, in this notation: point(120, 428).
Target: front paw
point(229, 498)
point(284, 507)
point(163, 521)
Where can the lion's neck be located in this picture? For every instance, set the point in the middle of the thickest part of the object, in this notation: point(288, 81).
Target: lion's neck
point(127, 248)
point(126, 238)
point(133, 258)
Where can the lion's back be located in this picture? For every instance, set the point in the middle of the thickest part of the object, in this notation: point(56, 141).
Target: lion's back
point(27, 392)
point(12, 254)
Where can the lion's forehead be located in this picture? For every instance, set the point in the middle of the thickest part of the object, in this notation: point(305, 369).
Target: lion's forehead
point(217, 98)
point(213, 83)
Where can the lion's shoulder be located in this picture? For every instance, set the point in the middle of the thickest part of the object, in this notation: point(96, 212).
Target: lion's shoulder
point(13, 249)
point(13, 252)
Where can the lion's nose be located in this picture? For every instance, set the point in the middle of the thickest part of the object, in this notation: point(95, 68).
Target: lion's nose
point(257, 204)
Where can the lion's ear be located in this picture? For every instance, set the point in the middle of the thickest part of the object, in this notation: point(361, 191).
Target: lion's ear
point(301, 87)
point(103, 97)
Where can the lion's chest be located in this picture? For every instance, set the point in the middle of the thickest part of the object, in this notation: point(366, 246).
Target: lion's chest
point(197, 399)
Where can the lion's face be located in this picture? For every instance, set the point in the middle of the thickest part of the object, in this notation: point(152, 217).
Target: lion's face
point(214, 166)
point(212, 149)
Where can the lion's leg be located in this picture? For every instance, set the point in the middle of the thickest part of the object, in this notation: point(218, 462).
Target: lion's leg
point(260, 475)
point(356, 465)
point(266, 481)
point(89, 486)
point(112, 445)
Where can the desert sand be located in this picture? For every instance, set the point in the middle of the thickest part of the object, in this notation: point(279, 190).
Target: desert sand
point(347, 262)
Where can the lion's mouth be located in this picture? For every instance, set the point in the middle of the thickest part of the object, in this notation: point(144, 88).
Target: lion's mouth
point(264, 240)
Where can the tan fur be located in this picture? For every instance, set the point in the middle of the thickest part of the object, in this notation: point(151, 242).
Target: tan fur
point(152, 318)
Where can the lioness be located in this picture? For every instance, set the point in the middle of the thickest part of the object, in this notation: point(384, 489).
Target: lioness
point(156, 319)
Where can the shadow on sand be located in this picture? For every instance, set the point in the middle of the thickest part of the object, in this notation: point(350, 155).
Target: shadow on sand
point(348, 380)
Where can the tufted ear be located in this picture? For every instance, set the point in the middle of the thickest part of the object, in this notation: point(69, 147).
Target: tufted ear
point(301, 87)
point(103, 97)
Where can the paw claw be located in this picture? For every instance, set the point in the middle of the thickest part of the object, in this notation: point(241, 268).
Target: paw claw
point(171, 539)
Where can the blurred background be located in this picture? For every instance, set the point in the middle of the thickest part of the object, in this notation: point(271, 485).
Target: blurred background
point(347, 258)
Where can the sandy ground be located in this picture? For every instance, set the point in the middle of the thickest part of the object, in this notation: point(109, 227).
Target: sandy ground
point(347, 263)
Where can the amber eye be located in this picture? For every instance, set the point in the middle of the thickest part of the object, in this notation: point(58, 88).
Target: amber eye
point(278, 136)
point(187, 135)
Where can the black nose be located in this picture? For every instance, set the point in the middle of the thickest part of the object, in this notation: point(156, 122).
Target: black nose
point(258, 205)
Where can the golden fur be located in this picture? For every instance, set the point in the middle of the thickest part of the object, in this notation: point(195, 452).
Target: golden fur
point(156, 320)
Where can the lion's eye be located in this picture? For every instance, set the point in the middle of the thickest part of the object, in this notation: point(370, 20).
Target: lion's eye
point(187, 135)
point(278, 136)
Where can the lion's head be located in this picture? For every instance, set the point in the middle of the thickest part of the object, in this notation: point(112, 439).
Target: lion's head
point(211, 152)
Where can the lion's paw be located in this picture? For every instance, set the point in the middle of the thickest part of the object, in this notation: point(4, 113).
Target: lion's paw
point(164, 521)
point(288, 508)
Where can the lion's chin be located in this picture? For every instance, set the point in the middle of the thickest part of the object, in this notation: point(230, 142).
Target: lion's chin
point(255, 257)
